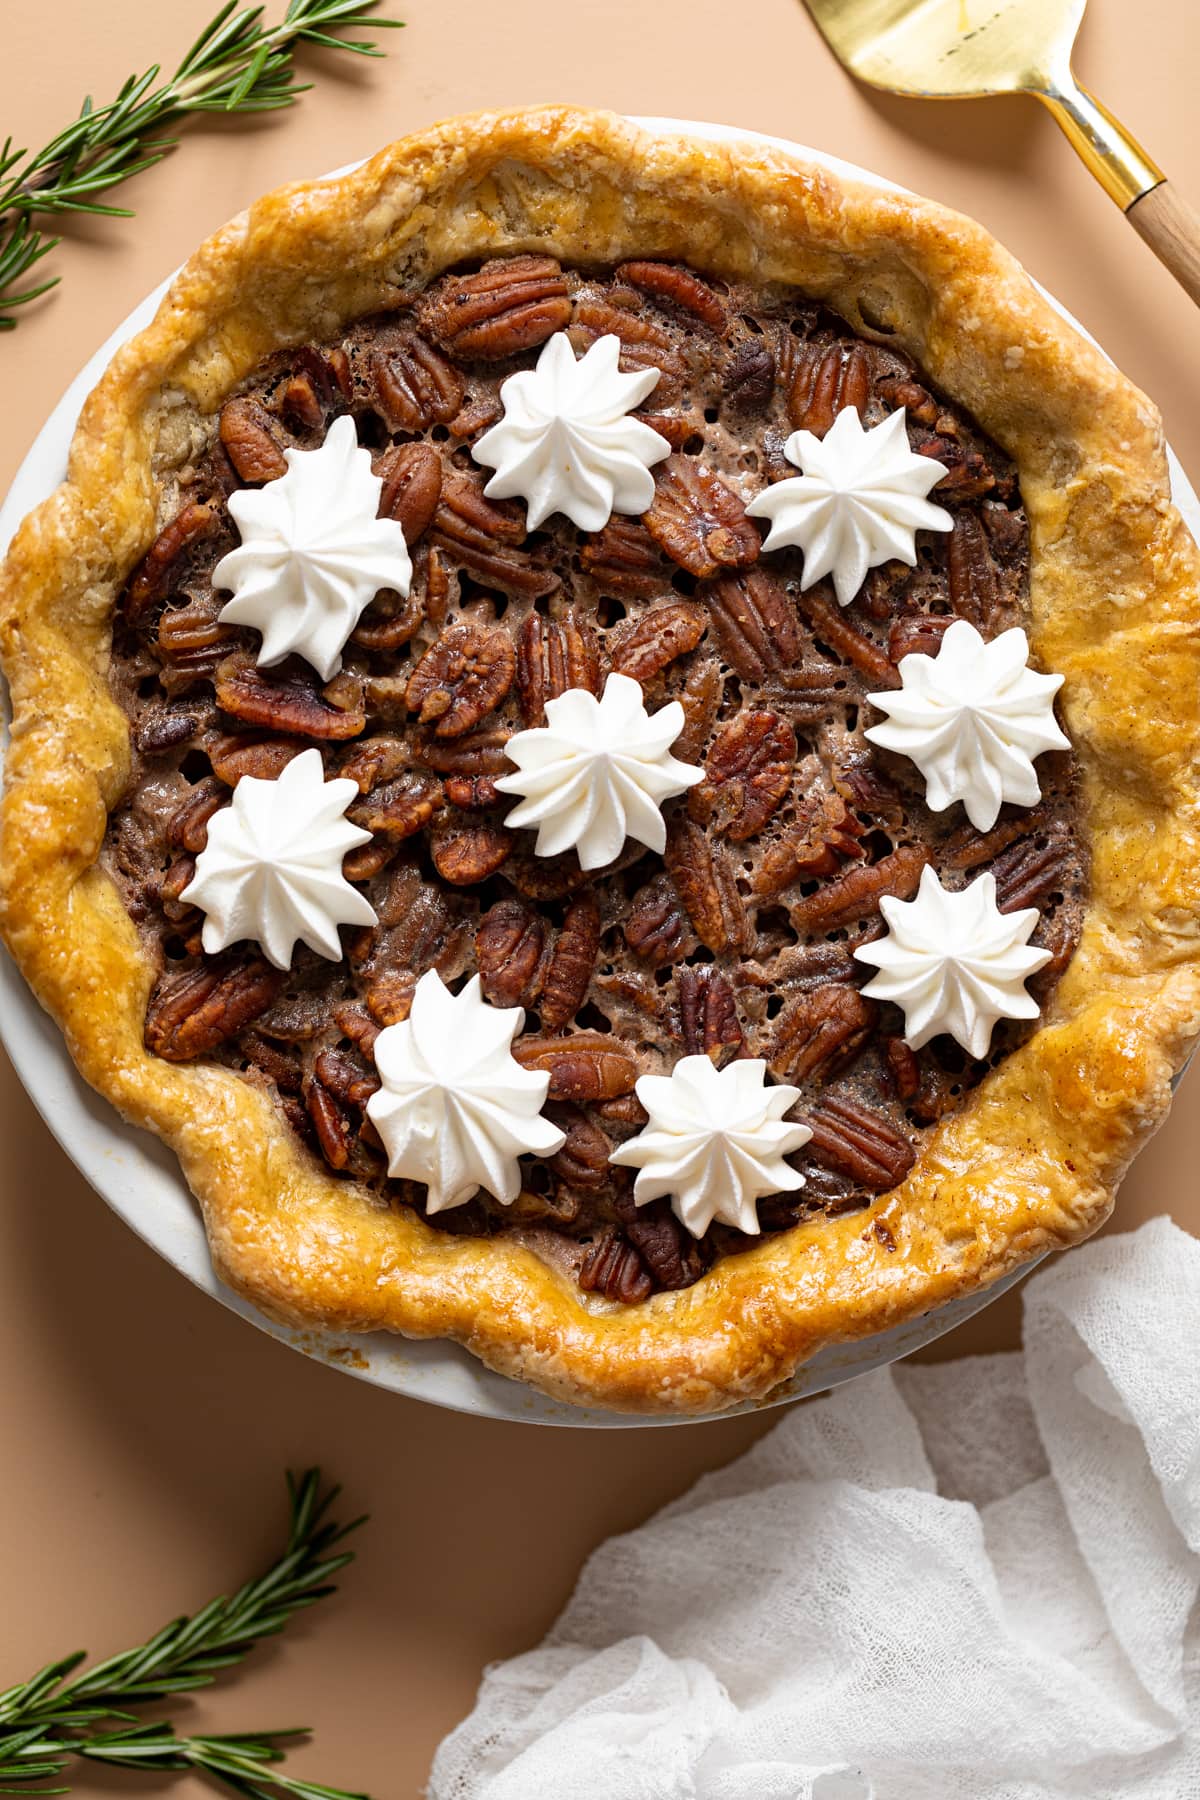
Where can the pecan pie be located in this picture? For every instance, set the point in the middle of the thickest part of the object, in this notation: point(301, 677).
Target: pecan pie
point(385, 315)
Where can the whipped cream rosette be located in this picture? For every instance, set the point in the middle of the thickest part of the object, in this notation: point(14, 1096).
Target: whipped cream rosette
point(715, 1142)
point(313, 553)
point(597, 772)
point(456, 1110)
point(858, 501)
point(272, 867)
point(566, 443)
point(954, 962)
point(972, 719)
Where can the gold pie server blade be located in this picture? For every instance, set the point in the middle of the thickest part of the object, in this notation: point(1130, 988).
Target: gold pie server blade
point(966, 49)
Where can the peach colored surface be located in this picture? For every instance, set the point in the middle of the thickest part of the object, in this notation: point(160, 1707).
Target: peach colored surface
point(144, 1429)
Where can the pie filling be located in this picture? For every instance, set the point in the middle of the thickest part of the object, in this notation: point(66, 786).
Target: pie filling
point(738, 940)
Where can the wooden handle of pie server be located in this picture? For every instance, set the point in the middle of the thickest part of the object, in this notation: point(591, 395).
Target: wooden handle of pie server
point(1129, 176)
point(1165, 221)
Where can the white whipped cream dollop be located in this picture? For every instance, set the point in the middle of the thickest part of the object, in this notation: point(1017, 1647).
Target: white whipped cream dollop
point(858, 501)
point(972, 718)
point(272, 867)
point(313, 553)
point(456, 1109)
point(565, 444)
point(597, 773)
point(954, 962)
point(715, 1142)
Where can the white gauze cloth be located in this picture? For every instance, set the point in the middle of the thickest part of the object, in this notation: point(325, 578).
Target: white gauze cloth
point(976, 1581)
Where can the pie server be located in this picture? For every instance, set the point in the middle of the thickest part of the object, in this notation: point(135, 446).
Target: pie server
point(964, 49)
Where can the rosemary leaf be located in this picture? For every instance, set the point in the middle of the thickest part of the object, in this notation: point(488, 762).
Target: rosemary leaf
point(238, 64)
point(58, 1713)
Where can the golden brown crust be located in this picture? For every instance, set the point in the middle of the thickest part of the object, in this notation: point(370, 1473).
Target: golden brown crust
point(1032, 1162)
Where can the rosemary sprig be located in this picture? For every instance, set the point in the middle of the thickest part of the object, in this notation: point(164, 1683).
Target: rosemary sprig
point(56, 1714)
point(236, 65)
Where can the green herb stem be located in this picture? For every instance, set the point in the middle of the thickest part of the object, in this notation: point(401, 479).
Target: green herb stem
point(237, 65)
point(56, 1715)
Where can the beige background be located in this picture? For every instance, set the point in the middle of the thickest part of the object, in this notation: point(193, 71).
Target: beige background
point(142, 1428)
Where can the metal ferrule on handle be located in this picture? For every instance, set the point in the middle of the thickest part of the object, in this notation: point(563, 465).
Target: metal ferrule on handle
point(1115, 158)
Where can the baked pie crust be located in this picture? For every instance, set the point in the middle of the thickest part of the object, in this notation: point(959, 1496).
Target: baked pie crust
point(1031, 1161)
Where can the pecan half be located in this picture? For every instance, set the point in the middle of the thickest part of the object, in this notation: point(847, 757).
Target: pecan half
point(176, 878)
point(357, 1025)
point(623, 558)
point(461, 678)
point(971, 573)
point(480, 535)
point(301, 404)
point(157, 570)
point(676, 428)
point(412, 486)
point(472, 793)
point(388, 623)
point(398, 808)
point(700, 523)
point(748, 774)
point(1032, 871)
point(825, 835)
point(968, 473)
point(188, 825)
point(509, 305)
point(674, 1257)
point(708, 1019)
point(668, 281)
point(552, 656)
point(831, 625)
point(283, 1068)
point(248, 754)
point(589, 1065)
point(701, 702)
point(475, 753)
point(192, 641)
point(854, 1141)
point(856, 893)
point(658, 929)
point(644, 646)
point(706, 885)
point(613, 1267)
point(248, 434)
point(415, 386)
point(754, 623)
point(820, 1032)
point(467, 854)
point(825, 379)
point(917, 401)
point(645, 343)
point(571, 964)
point(330, 1124)
point(157, 732)
point(917, 634)
point(857, 778)
point(416, 931)
point(375, 759)
point(582, 1163)
point(285, 700)
point(348, 1079)
point(510, 947)
point(749, 377)
point(190, 1015)
point(901, 1067)
point(967, 848)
